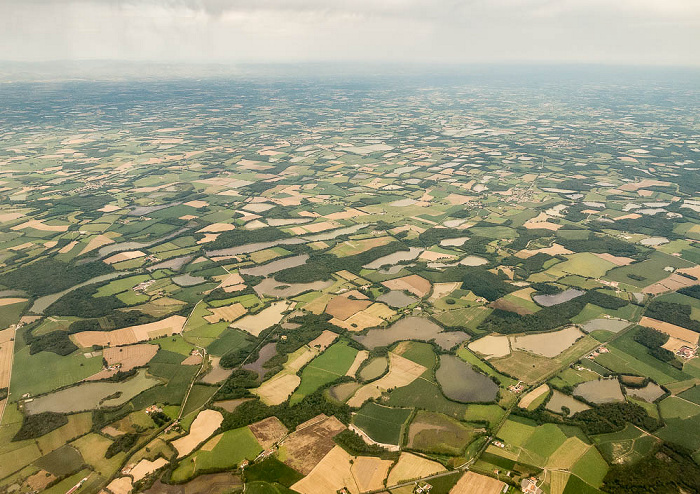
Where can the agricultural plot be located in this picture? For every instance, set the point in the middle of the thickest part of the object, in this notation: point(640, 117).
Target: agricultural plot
point(381, 424)
point(327, 367)
point(481, 270)
point(435, 433)
point(225, 450)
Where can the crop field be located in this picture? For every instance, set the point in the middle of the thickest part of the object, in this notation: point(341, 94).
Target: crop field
point(304, 448)
point(426, 395)
point(435, 433)
point(411, 466)
point(59, 371)
point(416, 265)
point(223, 451)
point(327, 367)
point(382, 424)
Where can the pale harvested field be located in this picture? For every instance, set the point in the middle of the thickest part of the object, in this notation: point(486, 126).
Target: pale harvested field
point(204, 425)
point(567, 454)
point(6, 355)
point(96, 243)
point(192, 359)
point(277, 389)
point(547, 344)
point(5, 217)
point(343, 307)
point(474, 483)
point(124, 256)
point(617, 260)
point(40, 480)
point(68, 247)
point(358, 322)
point(257, 323)
point(359, 358)
point(558, 481)
point(491, 346)
point(132, 334)
point(39, 225)
point(318, 305)
point(10, 301)
point(211, 443)
point(415, 284)
point(527, 400)
point(369, 472)
point(380, 310)
point(554, 250)
point(671, 330)
point(671, 283)
point(122, 485)
point(323, 341)
point(647, 182)
point(268, 431)
point(310, 443)
point(229, 313)
point(411, 467)
point(130, 356)
point(371, 317)
point(216, 228)
point(443, 289)
point(217, 373)
point(196, 204)
point(331, 474)
point(146, 467)
point(402, 372)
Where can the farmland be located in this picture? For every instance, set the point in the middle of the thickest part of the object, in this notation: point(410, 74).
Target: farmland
point(348, 284)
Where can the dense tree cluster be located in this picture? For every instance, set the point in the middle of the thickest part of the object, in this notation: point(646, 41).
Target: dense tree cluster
point(37, 425)
point(612, 417)
point(501, 321)
point(668, 470)
point(121, 443)
point(673, 313)
point(49, 275)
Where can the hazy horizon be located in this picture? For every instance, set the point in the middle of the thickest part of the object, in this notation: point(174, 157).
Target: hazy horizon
point(629, 32)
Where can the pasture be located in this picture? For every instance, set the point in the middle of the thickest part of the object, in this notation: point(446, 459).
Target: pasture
point(327, 367)
point(382, 424)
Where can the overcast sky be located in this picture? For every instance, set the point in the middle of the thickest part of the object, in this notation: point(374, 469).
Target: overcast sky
point(644, 32)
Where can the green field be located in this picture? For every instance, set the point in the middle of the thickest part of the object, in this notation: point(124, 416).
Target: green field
point(234, 446)
point(57, 371)
point(436, 433)
point(326, 368)
point(516, 431)
point(652, 270)
point(229, 339)
point(626, 356)
point(10, 314)
point(591, 468)
point(426, 395)
point(383, 424)
point(121, 285)
point(627, 446)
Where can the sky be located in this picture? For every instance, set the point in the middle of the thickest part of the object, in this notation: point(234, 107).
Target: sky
point(634, 32)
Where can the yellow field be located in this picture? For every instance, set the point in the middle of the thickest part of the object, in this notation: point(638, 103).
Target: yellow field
point(474, 483)
point(411, 466)
point(229, 313)
point(402, 372)
point(331, 474)
point(527, 400)
point(204, 425)
point(133, 334)
point(567, 454)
